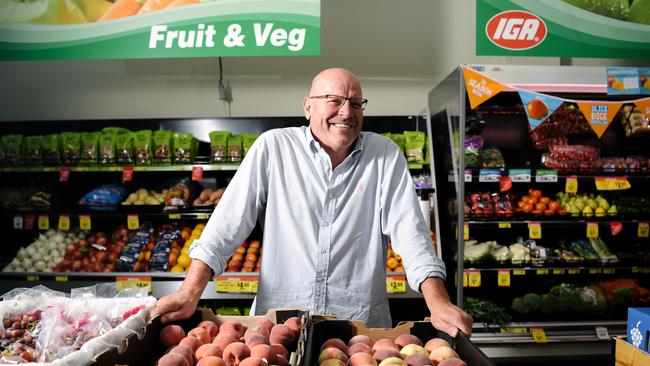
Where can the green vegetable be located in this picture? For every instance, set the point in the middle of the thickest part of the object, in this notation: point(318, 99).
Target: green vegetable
point(486, 312)
point(617, 9)
point(528, 304)
point(477, 253)
point(623, 296)
point(640, 12)
point(550, 304)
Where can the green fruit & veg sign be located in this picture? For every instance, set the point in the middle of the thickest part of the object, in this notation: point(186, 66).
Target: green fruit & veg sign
point(563, 28)
point(110, 29)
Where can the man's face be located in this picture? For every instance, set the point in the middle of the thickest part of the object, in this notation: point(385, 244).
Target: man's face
point(334, 121)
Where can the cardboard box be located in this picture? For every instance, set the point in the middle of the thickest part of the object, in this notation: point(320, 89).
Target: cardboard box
point(638, 327)
point(628, 355)
point(322, 329)
point(143, 348)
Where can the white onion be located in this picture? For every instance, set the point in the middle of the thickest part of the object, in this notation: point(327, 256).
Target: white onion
point(39, 266)
point(36, 257)
point(30, 251)
point(21, 253)
point(26, 263)
point(8, 268)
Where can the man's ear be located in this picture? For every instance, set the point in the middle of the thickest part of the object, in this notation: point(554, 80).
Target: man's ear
point(306, 107)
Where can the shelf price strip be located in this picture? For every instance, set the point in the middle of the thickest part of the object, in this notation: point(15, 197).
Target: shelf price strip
point(203, 216)
point(592, 230)
point(473, 278)
point(64, 222)
point(132, 222)
point(573, 271)
point(395, 284)
point(519, 272)
point(127, 173)
point(503, 278)
point(642, 231)
point(542, 272)
point(539, 336)
point(504, 225)
point(122, 283)
point(546, 176)
point(237, 285)
point(571, 185)
point(534, 230)
point(558, 271)
point(18, 222)
point(43, 222)
point(612, 183)
point(84, 222)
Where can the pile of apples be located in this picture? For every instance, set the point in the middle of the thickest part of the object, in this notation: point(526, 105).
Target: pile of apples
point(95, 253)
point(406, 349)
point(230, 343)
point(247, 257)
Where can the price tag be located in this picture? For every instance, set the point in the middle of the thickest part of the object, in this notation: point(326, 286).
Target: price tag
point(642, 231)
point(636, 269)
point(519, 272)
point(43, 222)
point(122, 283)
point(197, 173)
point(202, 216)
point(558, 271)
point(534, 230)
point(174, 216)
point(32, 278)
point(489, 175)
point(612, 183)
point(465, 231)
point(61, 278)
point(127, 173)
point(505, 183)
point(132, 222)
point(503, 278)
point(64, 222)
point(609, 270)
point(473, 278)
point(542, 272)
point(615, 227)
point(230, 284)
point(571, 186)
point(84, 222)
point(18, 222)
point(395, 284)
point(29, 222)
point(520, 175)
point(468, 175)
point(592, 230)
point(64, 174)
point(465, 279)
point(539, 336)
point(594, 271)
point(504, 225)
point(515, 330)
point(602, 334)
point(546, 176)
point(573, 271)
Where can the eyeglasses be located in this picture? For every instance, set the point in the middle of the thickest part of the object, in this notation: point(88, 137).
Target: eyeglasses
point(338, 101)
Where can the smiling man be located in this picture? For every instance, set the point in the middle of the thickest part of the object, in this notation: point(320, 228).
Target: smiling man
point(330, 198)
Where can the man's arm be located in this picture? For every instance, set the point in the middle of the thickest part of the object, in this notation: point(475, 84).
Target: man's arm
point(445, 316)
point(182, 304)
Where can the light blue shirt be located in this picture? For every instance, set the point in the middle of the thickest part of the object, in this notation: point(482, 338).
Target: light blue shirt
point(325, 232)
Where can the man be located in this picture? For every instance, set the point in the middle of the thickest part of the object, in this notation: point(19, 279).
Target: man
point(329, 197)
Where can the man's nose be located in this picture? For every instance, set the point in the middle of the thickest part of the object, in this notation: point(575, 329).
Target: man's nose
point(345, 110)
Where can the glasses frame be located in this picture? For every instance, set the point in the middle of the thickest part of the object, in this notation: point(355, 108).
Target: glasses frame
point(364, 101)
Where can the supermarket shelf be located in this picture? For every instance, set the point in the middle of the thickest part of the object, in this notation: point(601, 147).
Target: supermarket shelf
point(149, 213)
point(560, 269)
point(136, 168)
point(558, 221)
point(474, 176)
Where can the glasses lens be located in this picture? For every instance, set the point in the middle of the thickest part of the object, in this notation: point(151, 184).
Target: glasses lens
point(357, 103)
point(334, 100)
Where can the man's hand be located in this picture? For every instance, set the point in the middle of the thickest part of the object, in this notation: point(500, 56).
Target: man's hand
point(182, 304)
point(445, 316)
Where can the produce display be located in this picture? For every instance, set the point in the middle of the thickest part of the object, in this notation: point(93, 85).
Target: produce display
point(143, 196)
point(208, 197)
point(405, 349)
point(247, 257)
point(230, 343)
point(585, 159)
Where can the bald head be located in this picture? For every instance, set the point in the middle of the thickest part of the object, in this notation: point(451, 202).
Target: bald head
point(330, 79)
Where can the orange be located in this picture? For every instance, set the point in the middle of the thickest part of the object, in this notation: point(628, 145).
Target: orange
point(184, 260)
point(177, 269)
point(173, 258)
point(537, 109)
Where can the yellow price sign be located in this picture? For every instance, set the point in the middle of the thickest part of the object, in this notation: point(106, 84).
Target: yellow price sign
point(229, 284)
point(84, 222)
point(515, 330)
point(573, 271)
point(592, 230)
point(595, 270)
point(542, 272)
point(609, 270)
point(636, 269)
point(571, 186)
point(534, 230)
point(539, 336)
point(465, 280)
point(642, 230)
point(248, 285)
point(473, 278)
point(32, 278)
point(465, 231)
point(558, 271)
point(612, 183)
point(504, 225)
point(132, 222)
point(43, 222)
point(64, 222)
point(203, 216)
point(395, 284)
point(61, 278)
point(174, 216)
point(519, 272)
point(503, 278)
point(123, 283)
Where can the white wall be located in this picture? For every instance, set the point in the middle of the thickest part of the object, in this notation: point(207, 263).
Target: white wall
point(399, 49)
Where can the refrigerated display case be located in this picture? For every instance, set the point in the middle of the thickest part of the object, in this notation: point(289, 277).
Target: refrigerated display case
point(557, 278)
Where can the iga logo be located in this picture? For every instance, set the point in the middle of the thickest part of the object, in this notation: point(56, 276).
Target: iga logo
point(516, 30)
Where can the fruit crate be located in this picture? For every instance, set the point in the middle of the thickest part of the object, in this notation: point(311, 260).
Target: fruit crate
point(144, 348)
point(322, 329)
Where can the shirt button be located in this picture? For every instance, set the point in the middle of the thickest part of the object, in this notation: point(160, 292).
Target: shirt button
point(323, 251)
point(326, 224)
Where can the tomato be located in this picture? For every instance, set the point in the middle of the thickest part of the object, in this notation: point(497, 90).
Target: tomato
point(554, 205)
point(540, 206)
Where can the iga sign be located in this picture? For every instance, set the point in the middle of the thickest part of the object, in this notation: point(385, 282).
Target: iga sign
point(564, 28)
point(516, 30)
point(105, 29)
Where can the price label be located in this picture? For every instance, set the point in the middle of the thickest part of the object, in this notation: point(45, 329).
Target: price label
point(174, 216)
point(395, 284)
point(571, 186)
point(64, 222)
point(18, 222)
point(519, 272)
point(202, 216)
point(464, 279)
point(612, 183)
point(489, 175)
point(636, 269)
point(122, 283)
point(33, 278)
point(504, 225)
point(520, 175)
point(615, 227)
point(465, 231)
point(503, 278)
point(29, 222)
point(132, 222)
point(468, 175)
point(229, 284)
point(84, 222)
point(505, 183)
point(534, 230)
point(539, 336)
point(197, 173)
point(592, 230)
point(473, 278)
point(573, 271)
point(558, 271)
point(546, 176)
point(127, 173)
point(515, 330)
point(43, 222)
point(595, 271)
point(642, 230)
point(609, 270)
point(64, 174)
point(542, 272)
point(61, 278)
point(602, 334)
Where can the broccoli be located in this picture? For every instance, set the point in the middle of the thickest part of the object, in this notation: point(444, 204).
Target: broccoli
point(533, 301)
point(550, 304)
point(593, 300)
point(527, 304)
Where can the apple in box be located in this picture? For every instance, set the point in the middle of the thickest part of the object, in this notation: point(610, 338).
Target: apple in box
point(638, 327)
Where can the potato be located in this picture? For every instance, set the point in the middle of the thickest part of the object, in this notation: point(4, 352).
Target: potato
point(151, 201)
point(139, 202)
point(205, 194)
point(132, 198)
point(198, 202)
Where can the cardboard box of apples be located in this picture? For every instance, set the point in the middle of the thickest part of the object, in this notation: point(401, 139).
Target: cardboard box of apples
point(350, 342)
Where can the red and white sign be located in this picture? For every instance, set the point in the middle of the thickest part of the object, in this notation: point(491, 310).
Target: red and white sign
point(516, 30)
